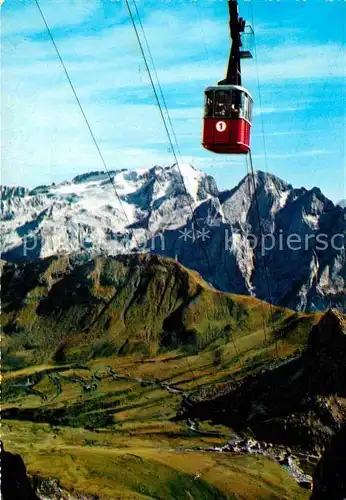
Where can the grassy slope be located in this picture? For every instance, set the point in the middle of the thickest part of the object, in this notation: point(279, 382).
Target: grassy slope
point(92, 438)
point(137, 467)
point(179, 331)
point(141, 304)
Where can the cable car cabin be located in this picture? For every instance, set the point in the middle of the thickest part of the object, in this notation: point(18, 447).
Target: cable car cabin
point(227, 119)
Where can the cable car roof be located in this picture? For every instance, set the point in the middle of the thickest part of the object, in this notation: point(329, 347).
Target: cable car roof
point(230, 87)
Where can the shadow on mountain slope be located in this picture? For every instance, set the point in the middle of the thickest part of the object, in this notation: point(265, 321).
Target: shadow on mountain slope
point(302, 402)
point(15, 484)
point(329, 476)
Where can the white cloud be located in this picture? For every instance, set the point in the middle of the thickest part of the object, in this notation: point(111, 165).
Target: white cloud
point(277, 109)
point(296, 154)
point(21, 17)
point(288, 132)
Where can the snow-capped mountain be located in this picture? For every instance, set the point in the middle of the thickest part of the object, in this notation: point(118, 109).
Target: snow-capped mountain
point(297, 260)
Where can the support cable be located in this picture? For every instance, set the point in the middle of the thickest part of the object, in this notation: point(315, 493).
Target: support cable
point(157, 80)
point(249, 177)
point(89, 128)
point(168, 133)
point(263, 256)
point(84, 115)
point(260, 98)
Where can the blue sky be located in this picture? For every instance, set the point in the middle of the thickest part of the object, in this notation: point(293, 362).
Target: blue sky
point(300, 71)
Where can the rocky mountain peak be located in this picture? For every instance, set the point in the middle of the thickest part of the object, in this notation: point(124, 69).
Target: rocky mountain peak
point(8, 192)
point(155, 210)
point(330, 332)
point(270, 182)
point(94, 176)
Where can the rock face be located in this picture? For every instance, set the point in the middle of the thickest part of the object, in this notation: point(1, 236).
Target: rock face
point(299, 403)
point(330, 475)
point(327, 348)
point(303, 232)
point(15, 484)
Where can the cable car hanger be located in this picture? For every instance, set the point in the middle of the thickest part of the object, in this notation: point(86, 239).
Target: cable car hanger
point(228, 106)
point(237, 26)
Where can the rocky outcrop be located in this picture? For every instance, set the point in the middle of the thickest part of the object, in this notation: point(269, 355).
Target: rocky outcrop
point(327, 350)
point(301, 402)
point(7, 192)
point(15, 484)
point(329, 480)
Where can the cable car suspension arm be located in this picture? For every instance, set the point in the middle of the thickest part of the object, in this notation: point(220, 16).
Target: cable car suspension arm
point(237, 26)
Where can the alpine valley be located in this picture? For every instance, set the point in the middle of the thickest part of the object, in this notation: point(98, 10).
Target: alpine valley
point(150, 354)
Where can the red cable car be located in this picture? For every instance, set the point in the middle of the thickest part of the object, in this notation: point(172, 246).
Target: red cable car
point(228, 106)
point(227, 119)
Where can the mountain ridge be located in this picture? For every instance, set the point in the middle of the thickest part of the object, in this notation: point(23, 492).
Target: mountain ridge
point(84, 216)
point(123, 304)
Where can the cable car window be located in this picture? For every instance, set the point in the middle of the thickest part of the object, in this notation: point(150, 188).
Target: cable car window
point(250, 110)
point(237, 104)
point(246, 107)
point(208, 104)
point(222, 103)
